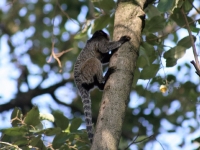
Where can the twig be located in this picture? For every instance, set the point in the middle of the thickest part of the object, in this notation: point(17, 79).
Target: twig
point(11, 3)
point(153, 39)
point(68, 17)
point(197, 66)
point(152, 136)
point(62, 10)
point(11, 145)
point(53, 54)
point(194, 6)
point(160, 144)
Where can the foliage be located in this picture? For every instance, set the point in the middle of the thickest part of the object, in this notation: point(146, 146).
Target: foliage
point(28, 132)
point(31, 30)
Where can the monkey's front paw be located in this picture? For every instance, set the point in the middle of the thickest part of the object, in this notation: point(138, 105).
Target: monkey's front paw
point(125, 38)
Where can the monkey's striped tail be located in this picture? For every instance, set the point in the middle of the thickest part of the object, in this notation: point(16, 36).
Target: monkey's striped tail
point(85, 95)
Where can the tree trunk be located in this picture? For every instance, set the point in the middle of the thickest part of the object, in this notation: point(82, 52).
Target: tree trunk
point(117, 89)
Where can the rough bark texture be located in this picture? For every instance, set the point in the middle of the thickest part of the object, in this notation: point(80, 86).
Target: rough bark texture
point(116, 93)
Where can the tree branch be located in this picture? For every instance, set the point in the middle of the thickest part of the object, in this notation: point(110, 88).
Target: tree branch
point(191, 2)
point(195, 66)
point(23, 99)
point(65, 104)
point(196, 63)
point(134, 141)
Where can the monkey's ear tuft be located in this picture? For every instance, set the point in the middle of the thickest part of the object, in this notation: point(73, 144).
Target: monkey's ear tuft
point(100, 33)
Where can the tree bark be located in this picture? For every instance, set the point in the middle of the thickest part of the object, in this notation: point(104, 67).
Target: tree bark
point(117, 89)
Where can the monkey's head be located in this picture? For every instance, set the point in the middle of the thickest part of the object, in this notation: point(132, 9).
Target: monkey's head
point(100, 33)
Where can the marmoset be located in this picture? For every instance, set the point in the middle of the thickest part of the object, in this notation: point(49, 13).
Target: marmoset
point(88, 70)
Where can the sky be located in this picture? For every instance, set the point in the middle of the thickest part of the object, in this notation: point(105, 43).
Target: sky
point(9, 73)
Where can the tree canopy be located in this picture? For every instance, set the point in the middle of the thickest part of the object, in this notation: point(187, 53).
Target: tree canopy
point(39, 43)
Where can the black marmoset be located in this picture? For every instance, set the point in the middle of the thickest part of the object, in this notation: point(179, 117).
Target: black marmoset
point(88, 71)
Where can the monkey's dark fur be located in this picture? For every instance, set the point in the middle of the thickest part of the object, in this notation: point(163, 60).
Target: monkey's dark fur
point(88, 71)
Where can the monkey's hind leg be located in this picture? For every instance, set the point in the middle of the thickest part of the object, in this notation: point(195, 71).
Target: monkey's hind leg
point(91, 73)
point(105, 78)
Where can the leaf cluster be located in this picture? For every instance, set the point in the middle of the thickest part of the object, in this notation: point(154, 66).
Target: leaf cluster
point(28, 28)
point(29, 132)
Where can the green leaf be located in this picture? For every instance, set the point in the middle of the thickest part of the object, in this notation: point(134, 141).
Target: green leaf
point(80, 35)
point(186, 42)
point(170, 62)
point(149, 72)
point(187, 5)
point(149, 51)
point(15, 131)
point(59, 140)
point(136, 77)
point(152, 39)
point(21, 141)
point(32, 117)
point(52, 131)
point(106, 5)
point(178, 17)
point(16, 116)
point(152, 11)
point(101, 22)
point(39, 126)
point(72, 136)
point(192, 94)
point(48, 131)
point(196, 140)
point(60, 120)
point(175, 52)
point(147, 55)
point(142, 61)
point(65, 147)
point(156, 24)
point(76, 122)
point(194, 29)
point(141, 138)
point(178, 4)
point(110, 27)
point(165, 5)
point(37, 142)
